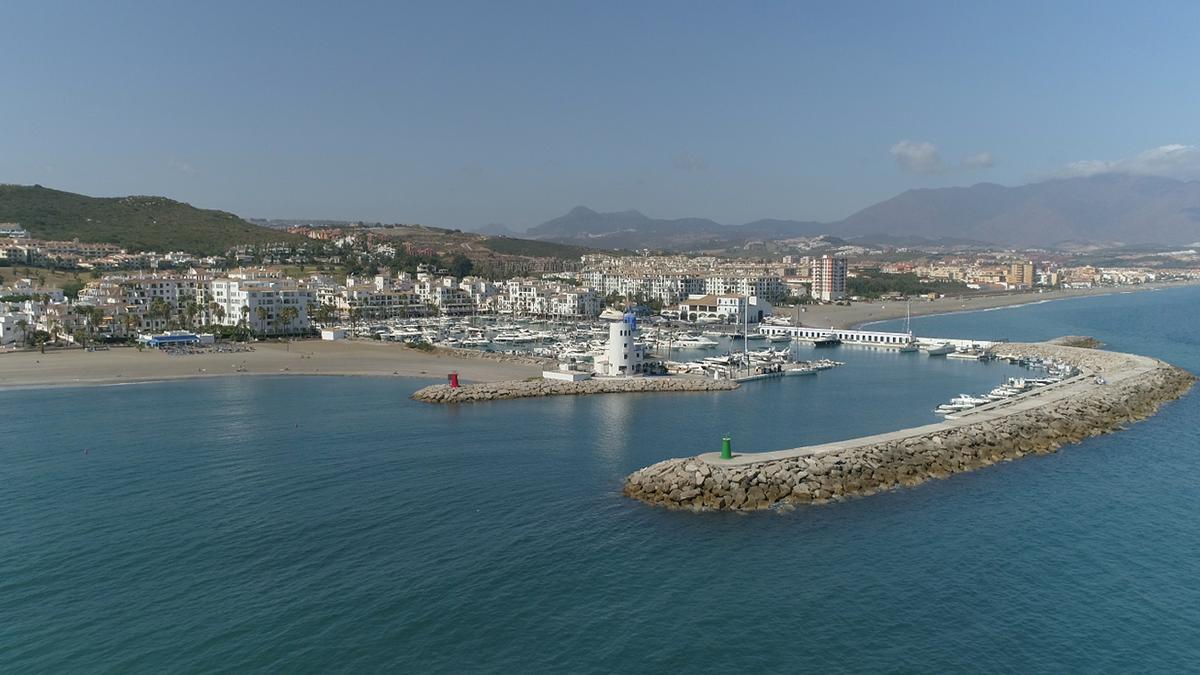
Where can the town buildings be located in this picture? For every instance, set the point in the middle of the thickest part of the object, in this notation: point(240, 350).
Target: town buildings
point(701, 289)
point(670, 279)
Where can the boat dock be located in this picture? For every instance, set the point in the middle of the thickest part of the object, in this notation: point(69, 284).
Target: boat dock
point(868, 337)
point(785, 372)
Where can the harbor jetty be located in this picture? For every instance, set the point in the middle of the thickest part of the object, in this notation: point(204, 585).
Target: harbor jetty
point(1110, 390)
point(537, 387)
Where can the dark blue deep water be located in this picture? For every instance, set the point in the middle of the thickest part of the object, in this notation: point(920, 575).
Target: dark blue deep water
point(331, 524)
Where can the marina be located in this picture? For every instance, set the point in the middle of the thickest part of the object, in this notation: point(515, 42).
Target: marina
point(586, 346)
point(666, 348)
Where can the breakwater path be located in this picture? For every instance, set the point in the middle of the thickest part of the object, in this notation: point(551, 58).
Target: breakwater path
point(1037, 422)
point(493, 391)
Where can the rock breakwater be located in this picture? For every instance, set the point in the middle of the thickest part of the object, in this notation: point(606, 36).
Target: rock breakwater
point(527, 359)
point(1036, 423)
point(492, 391)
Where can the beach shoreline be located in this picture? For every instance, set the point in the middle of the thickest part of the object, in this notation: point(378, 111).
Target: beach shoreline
point(127, 365)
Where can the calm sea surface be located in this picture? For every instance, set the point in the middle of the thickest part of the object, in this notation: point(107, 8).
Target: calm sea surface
point(331, 524)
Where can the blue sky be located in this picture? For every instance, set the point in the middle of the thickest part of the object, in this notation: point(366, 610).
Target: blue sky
point(460, 114)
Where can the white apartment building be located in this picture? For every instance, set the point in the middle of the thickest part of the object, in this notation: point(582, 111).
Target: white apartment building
point(523, 297)
point(11, 331)
point(768, 286)
point(449, 300)
point(371, 302)
point(263, 303)
point(577, 303)
point(721, 309)
point(479, 290)
point(829, 278)
point(128, 301)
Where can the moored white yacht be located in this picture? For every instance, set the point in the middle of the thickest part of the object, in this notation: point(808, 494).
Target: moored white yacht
point(939, 350)
point(694, 342)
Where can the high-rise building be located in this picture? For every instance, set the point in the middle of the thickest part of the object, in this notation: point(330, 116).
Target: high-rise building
point(829, 278)
point(1021, 274)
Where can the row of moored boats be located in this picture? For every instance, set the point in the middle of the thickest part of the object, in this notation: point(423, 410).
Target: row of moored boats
point(1055, 372)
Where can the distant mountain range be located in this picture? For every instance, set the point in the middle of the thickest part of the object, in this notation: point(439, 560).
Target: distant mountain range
point(1109, 209)
point(632, 229)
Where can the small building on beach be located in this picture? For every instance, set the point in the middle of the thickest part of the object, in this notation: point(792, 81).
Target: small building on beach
point(175, 338)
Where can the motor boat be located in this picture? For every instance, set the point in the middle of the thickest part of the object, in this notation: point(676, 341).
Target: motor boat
point(694, 342)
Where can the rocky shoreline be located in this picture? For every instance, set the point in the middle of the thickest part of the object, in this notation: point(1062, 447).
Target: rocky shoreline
point(494, 391)
point(1035, 423)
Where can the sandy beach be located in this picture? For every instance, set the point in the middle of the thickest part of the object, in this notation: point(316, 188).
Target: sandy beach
point(826, 316)
point(309, 357)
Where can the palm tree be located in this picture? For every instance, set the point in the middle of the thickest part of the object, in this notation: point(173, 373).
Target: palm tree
point(159, 309)
point(244, 322)
point(323, 313)
point(262, 313)
point(81, 314)
point(192, 309)
point(97, 318)
point(131, 322)
point(89, 321)
point(24, 326)
point(287, 315)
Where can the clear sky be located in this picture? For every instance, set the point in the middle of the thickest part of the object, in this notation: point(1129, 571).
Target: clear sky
point(460, 114)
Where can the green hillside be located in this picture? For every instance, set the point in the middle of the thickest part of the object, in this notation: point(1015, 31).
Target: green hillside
point(135, 223)
point(530, 247)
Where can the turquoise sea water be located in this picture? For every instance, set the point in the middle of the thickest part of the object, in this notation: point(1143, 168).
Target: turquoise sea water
point(331, 524)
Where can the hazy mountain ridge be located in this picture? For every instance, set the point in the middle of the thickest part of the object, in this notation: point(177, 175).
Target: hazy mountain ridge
point(633, 229)
point(1103, 209)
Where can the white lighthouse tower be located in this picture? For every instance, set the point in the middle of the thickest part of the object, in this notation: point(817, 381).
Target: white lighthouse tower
point(624, 357)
